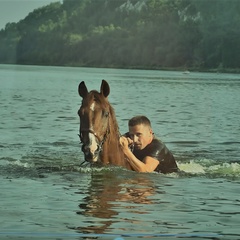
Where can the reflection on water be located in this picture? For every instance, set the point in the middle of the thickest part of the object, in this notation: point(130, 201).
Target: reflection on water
point(108, 192)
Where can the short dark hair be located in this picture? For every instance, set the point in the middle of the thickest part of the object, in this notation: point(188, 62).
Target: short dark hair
point(137, 120)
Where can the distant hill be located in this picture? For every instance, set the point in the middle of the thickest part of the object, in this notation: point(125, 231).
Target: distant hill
point(149, 34)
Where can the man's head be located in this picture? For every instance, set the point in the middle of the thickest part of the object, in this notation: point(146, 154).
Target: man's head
point(140, 131)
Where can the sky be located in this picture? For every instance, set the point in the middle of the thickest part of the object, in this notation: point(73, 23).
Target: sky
point(15, 10)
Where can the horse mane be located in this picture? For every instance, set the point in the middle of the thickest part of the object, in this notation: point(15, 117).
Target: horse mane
point(115, 123)
point(102, 100)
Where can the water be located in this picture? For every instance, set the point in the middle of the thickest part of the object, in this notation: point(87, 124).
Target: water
point(45, 194)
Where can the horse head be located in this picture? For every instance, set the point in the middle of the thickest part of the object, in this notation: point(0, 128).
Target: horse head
point(94, 116)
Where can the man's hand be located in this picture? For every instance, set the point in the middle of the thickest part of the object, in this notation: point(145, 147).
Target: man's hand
point(125, 142)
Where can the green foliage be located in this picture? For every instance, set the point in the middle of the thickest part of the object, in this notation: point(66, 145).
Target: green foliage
point(127, 34)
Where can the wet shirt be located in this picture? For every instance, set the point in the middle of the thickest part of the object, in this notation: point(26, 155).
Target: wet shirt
point(158, 150)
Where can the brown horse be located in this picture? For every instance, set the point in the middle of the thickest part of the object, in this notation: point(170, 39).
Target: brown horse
point(99, 131)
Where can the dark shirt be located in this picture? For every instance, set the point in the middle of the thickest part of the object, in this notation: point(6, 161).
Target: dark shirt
point(158, 150)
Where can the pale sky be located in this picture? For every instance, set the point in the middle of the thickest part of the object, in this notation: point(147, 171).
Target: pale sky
point(15, 10)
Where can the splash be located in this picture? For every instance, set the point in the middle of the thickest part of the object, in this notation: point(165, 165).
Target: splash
point(211, 168)
point(191, 167)
point(203, 167)
point(225, 169)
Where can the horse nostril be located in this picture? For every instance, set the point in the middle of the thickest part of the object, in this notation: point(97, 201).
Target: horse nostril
point(98, 148)
point(87, 153)
point(85, 149)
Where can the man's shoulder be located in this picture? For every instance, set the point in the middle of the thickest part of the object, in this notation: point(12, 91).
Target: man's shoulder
point(156, 145)
point(157, 142)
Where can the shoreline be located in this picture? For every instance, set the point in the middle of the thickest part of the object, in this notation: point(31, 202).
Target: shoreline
point(184, 70)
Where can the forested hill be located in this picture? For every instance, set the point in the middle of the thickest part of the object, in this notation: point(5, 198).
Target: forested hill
point(150, 34)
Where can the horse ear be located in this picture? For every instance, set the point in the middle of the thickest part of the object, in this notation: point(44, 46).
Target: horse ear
point(105, 89)
point(82, 89)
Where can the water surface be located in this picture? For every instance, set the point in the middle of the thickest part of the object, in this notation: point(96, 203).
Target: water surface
point(45, 194)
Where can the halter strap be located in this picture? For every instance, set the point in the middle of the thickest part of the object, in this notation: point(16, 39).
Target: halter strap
point(89, 131)
point(100, 142)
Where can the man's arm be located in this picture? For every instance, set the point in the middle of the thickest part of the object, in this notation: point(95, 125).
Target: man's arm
point(149, 164)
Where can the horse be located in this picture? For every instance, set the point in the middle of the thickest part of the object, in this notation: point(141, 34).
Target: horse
point(99, 131)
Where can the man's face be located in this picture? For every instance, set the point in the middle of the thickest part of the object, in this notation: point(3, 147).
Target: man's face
point(141, 136)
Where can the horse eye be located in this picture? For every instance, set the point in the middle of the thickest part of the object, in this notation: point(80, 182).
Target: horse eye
point(105, 113)
point(80, 112)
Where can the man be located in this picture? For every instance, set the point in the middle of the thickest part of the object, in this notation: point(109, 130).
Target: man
point(149, 154)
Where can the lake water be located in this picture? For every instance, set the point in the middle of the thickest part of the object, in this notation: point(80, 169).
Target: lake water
point(45, 194)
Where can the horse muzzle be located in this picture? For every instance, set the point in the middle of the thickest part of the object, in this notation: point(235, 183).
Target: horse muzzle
point(91, 153)
point(92, 146)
